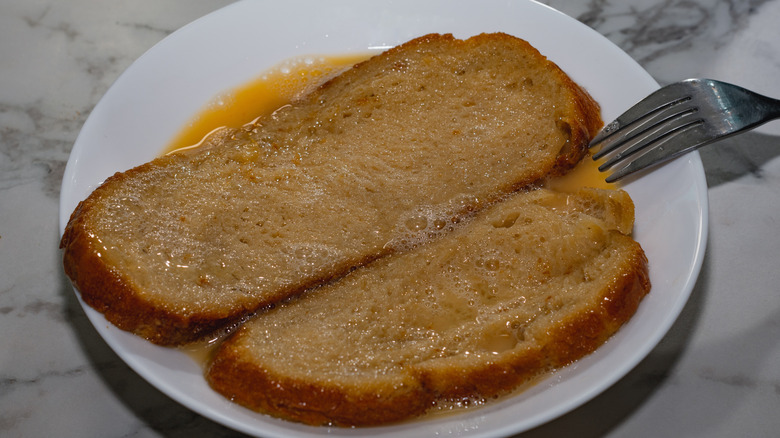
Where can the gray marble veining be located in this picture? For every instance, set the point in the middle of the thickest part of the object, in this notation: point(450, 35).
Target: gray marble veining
point(716, 374)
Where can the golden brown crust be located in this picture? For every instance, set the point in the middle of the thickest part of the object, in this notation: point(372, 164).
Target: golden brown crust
point(112, 292)
point(483, 381)
point(253, 387)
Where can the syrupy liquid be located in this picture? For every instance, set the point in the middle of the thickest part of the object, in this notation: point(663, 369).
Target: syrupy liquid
point(585, 174)
point(202, 352)
point(273, 89)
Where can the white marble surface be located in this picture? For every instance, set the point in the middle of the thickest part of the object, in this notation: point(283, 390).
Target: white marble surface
point(716, 374)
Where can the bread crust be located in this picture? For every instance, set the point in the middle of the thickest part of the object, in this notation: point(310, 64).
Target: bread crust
point(113, 292)
point(288, 398)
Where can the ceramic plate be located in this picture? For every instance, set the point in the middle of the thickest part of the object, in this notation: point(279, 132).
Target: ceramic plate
point(167, 86)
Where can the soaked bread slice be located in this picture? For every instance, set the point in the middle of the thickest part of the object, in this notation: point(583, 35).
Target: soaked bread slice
point(529, 285)
point(391, 152)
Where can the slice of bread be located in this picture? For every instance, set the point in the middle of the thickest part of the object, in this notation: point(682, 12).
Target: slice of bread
point(529, 285)
point(391, 152)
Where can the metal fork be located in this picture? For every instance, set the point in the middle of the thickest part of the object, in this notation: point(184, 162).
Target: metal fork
point(677, 119)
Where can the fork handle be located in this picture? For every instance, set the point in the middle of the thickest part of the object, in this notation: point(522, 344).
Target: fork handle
point(756, 109)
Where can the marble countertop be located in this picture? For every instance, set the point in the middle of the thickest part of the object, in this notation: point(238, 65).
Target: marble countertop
point(715, 374)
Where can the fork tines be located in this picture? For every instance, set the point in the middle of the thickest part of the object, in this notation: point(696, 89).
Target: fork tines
point(661, 116)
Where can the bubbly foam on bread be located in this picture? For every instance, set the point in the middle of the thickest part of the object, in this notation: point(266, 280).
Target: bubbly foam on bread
point(387, 155)
point(532, 283)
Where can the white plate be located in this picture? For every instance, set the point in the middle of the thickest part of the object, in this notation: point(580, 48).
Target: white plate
point(164, 88)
